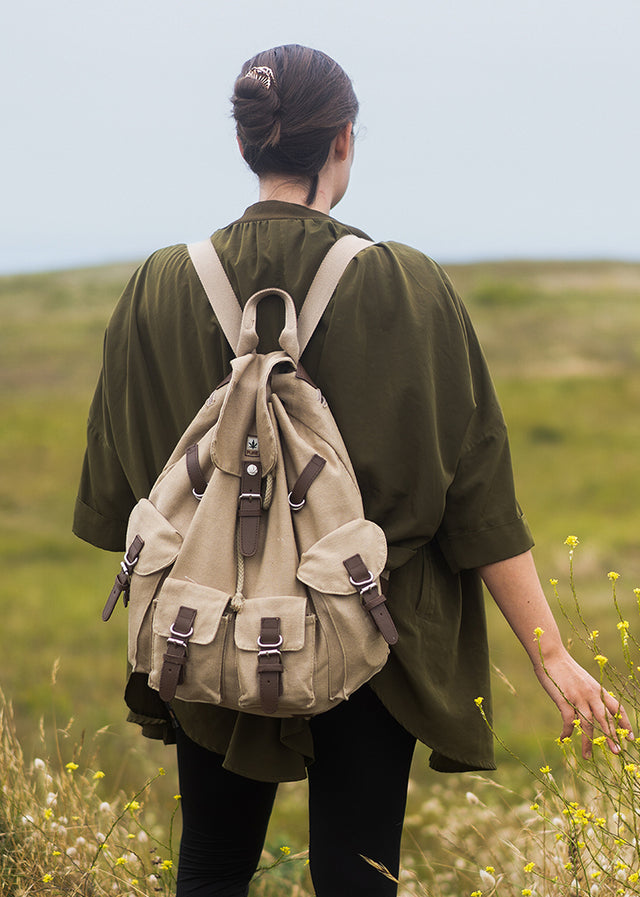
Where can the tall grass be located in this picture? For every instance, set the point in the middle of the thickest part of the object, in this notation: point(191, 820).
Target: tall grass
point(568, 827)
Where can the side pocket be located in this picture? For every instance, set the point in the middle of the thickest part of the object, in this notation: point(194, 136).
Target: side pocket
point(161, 546)
point(351, 648)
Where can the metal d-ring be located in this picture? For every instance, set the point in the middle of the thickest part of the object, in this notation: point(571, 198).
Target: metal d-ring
point(294, 506)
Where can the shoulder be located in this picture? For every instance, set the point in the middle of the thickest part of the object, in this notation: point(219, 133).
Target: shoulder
point(397, 276)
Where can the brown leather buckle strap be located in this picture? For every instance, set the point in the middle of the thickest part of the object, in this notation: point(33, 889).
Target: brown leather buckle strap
point(123, 579)
point(373, 600)
point(250, 506)
point(297, 496)
point(270, 666)
point(198, 480)
point(177, 652)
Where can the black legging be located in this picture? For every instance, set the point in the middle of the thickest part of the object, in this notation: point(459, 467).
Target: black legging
point(357, 797)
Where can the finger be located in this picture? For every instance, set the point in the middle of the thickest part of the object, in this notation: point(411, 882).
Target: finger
point(620, 717)
point(610, 722)
point(586, 724)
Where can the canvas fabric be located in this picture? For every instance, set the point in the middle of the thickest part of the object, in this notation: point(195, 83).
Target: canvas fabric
point(192, 555)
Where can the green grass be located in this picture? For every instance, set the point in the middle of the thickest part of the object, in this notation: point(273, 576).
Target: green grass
point(563, 341)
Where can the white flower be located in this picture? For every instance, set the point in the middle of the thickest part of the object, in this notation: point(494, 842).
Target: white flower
point(143, 837)
point(105, 807)
point(152, 879)
point(80, 842)
point(39, 764)
point(26, 819)
point(100, 838)
point(71, 851)
point(487, 879)
point(471, 798)
point(52, 799)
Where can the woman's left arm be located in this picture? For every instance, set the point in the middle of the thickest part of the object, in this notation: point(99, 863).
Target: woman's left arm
point(516, 589)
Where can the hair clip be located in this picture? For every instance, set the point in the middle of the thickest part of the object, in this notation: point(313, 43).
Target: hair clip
point(263, 74)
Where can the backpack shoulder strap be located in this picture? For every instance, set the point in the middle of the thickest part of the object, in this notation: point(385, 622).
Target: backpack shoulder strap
point(224, 301)
point(325, 282)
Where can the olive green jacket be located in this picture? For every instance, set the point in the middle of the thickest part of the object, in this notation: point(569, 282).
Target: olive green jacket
point(400, 366)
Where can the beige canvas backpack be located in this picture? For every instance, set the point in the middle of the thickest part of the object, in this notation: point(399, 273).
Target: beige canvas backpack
point(252, 577)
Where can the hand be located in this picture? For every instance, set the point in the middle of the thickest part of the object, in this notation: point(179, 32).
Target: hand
point(579, 696)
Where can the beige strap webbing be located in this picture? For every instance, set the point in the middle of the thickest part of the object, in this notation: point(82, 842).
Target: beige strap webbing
point(219, 291)
point(324, 284)
point(225, 304)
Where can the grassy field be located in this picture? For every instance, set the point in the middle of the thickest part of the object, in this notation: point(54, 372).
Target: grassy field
point(563, 342)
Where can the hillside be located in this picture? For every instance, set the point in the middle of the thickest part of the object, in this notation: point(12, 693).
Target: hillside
point(563, 341)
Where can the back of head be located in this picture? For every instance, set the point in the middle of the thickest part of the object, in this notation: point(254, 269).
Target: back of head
point(289, 104)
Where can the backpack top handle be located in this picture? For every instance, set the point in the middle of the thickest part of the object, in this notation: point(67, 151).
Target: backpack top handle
point(226, 306)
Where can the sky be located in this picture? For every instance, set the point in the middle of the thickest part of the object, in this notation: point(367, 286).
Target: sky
point(488, 129)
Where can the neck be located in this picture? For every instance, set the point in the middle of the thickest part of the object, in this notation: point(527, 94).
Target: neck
point(288, 189)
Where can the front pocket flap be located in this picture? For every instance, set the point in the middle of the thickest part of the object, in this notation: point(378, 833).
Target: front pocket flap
point(322, 568)
point(291, 610)
point(161, 541)
point(209, 605)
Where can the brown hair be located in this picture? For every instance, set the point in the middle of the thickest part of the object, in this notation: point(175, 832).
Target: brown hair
point(287, 126)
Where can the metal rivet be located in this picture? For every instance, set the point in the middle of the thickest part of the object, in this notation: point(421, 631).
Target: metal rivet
point(252, 470)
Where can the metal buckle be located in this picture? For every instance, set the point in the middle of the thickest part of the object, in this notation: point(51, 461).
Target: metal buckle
point(197, 495)
point(268, 653)
point(364, 585)
point(178, 641)
point(250, 495)
point(295, 507)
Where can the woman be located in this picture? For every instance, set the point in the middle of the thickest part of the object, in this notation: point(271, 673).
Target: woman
point(399, 363)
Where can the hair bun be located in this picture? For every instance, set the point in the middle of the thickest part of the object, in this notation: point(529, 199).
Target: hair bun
point(256, 108)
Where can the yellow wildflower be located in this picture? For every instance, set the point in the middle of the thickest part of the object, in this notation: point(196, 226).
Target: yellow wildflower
point(285, 850)
point(601, 660)
point(478, 701)
point(538, 632)
point(622, 733)
point(633, 877)
point(554, 582)
point(132, 805)
point(613, 576)
point(545, 770)
point(134, 882)
point(526, 892)
point(630, 767)
point(599, 740)
point(476, 894)
point(48, 813)
point(529, 867)
point(623, 624)
point(595, 633)
point(177, 797)
point(47, 877)
point(121, 861)
point(534, 807)
point(71, 767)
point(57, 853)
point(98, 775)
point(162, 771)
point(572, 541)
point(166, 864)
